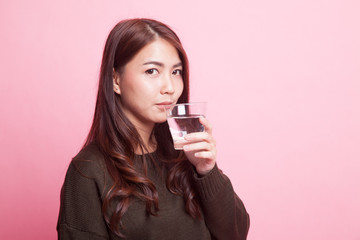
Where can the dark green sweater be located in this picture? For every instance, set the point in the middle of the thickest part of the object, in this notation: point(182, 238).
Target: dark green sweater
point(224, 215)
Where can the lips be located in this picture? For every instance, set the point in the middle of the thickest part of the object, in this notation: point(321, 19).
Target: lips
point(165, 103)
point(162, 105)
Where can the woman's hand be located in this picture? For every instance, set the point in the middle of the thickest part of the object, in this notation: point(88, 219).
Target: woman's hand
point(201, 148)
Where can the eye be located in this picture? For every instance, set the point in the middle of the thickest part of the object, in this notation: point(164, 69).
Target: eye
point(177, 72)
point(152, 71)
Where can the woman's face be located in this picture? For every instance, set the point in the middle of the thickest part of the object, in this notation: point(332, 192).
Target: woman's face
point(152, 78)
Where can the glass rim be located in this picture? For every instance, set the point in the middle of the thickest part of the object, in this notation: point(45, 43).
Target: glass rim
point(189, 103)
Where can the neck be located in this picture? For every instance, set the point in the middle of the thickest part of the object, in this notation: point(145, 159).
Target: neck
point(144, 129)
point(147, 137)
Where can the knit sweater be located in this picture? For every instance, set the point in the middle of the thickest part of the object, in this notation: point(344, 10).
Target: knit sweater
point(87, 182)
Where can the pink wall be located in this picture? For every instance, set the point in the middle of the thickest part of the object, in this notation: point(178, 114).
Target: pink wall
point(282, 79)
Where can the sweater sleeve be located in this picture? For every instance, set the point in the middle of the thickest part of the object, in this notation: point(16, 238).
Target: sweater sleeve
point(224, 213)
point(80, 214)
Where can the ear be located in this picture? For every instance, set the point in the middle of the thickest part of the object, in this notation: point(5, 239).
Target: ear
point(116, 82)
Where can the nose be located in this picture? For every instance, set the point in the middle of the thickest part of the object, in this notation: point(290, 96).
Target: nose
point(167, 86)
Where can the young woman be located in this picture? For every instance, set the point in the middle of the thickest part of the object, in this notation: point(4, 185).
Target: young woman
point(128, 182)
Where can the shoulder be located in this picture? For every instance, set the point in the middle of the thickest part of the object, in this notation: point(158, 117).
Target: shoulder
point(89, 162)
point(89, 152)
point(87, 172)
point(85, 186)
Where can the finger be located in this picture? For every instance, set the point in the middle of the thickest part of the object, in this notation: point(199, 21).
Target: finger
point(206, 124)
point(198, 136)
point(205, 155)
point(197, 147)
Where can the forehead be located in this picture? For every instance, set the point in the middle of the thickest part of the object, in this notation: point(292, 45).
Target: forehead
point(158, 50)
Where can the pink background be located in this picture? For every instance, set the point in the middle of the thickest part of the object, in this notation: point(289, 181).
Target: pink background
point(282, 81)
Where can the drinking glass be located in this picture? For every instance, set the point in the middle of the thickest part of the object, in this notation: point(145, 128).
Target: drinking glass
point(184, 118)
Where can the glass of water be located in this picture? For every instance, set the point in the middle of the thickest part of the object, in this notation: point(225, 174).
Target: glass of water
point(184, 118)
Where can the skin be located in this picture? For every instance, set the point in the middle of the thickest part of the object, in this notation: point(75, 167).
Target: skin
point(151, 80)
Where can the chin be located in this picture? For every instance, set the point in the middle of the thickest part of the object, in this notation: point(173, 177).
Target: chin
point(160, 119)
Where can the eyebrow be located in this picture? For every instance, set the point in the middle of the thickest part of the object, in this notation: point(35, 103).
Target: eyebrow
point(161, 64)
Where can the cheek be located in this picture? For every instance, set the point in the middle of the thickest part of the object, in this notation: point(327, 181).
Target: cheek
point(180, 87)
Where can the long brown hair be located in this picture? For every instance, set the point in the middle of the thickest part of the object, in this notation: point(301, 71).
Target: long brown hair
point(116, 136)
